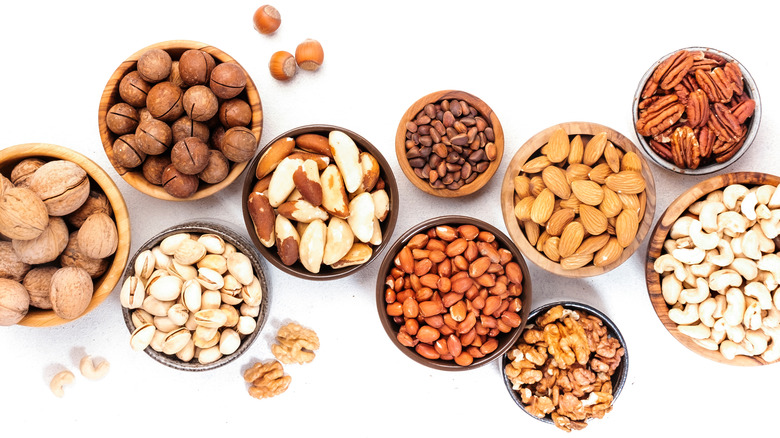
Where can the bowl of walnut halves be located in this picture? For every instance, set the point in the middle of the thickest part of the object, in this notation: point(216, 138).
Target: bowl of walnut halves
point(696, 111)
point(569, 365)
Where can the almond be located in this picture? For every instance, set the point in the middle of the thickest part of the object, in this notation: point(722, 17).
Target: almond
point(532, 231)
point(631, 161)
point(593, 244)
point(626, 181)
point(558, 146)
point(273, 156)
point(543, 206)
point(626, 226)
point(536, 165)
point(551, 248)
point(522, 186)
point(542, 240)
point(576, 150)
point(558, 221)
point(592, 219)
point(575, 261)
point(571, 238)
point(555, 179)
point(577, 171)
point(600, 173)
point(523, 208)
point(612, 156)
point(595, 148)
point(630, 202)
point(588, 192)
point(609, 253)
point(537, 185)
point(611, 205)
point(572, 203)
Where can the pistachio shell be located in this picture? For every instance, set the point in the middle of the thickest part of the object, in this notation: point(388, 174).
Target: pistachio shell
point(229, 342)
point(189, 252)
point(252, 293)
point(192, 292)
point(246, 325)
point(171, 243)
point(142, 336)
point(144, 264)
point(240, 266)
point(210, 318)
point(176, 341)
point(166, 288)
point(210, 279)
point(132, 293)
point(214, 244)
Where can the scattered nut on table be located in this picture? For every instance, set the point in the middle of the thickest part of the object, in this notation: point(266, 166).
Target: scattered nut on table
point(295, 344)
point(91, 371)
point(59, 381)
point(267, 379)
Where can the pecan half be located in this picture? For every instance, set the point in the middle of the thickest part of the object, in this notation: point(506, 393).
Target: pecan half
point(697, 109)
point(663, 113)
point(725, 124)
point(716, 92)
point(661, 149)
point(670, 72)
point(744, 109)
point(726, 154)
point(685, 148)
point(733, 72)
point(706, 141)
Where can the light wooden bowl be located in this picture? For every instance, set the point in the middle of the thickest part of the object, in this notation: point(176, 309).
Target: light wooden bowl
point(104, 285)
point(655, 248)
point(110, 96)
point(483, 109)
point(530, 150)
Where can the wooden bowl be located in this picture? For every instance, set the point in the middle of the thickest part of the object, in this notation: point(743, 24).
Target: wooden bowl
point(505, 340)
point(752, 126)
point(655, 249)
point(483, 109)
point(110, 96)
point(530, 150)
point(326, 272)
point(103, 285)
point(230, 235)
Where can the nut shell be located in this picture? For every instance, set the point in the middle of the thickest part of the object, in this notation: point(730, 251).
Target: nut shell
point(23, 214)
point(11, 267)
point(239, 144)
point(200, 103)
point(46, 247)
point(38, 285)
point(153, 137)
point(71, 292)
point(97, 237)
point(165, 102)
point(21, 173)
point(96, 202)
point(133, 89)
point(62, 185)
point(195, 67)
point(309, 55)
point(227, 80)
point(14, 302)
point(154, 65)
point(73, 256)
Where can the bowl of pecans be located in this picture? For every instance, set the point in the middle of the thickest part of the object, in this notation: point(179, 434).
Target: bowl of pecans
point(696, 111)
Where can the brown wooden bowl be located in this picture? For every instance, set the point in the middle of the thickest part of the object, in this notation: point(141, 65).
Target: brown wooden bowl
point(110, 96)
point(483, 109)
point(104, 285)
point(655, 249)
point(530, 150)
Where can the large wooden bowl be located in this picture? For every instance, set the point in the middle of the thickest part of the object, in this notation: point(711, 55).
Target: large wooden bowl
point(655, 249)
point(530, 150)
point(103, 286)
point(483, 109)
point(110, 96)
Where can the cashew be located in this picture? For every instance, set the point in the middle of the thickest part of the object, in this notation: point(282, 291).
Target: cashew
point(765, 244)
point(92, 372)
point(680, 227)
point(725, 278)
point(701, 239)
point(748, 205)
point(773, 352)
point(684, 242)
point(756, 342)
point(707, 344)
point(768, 279)
point(774, 201)
point(671, 288)
point(750, 245)
point(732, 194)
point(698, 331)
point(722, 255)
point(690, 279)
point(715, 195)
point(735, 333)
point(732, 223)
point(730, 350)
point(771, 319)
point(763, 212)
point(702, 269)
point(59, 380)
point(706, 312)
point(752, 318)
point(686, 316)
point(771, 225)
point(747, 268)
point(689, 256)
point(667, 263)
point(770, 263)
point(709, 215)
point(759, 292)
point(735, 309)
point(736, 246)
point(696, 207)
point(697, 295)
point(764, 193)
point(720, 306)
point(718, 332)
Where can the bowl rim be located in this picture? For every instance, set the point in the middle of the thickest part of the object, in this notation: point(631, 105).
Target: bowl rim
point(620, 376)
point(453, 220)
point(750, 136)
point(527, 150)
point(484, 110)
point(134, 177)
point(226, 231)
point(655, 248)
point(105, 284)
point(391, 187)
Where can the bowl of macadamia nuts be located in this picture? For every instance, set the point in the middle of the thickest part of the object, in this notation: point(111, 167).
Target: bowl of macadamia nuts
point(64, 235)
point(320, 202)
point(713, 268)
point(194, 297)
point(180, 120)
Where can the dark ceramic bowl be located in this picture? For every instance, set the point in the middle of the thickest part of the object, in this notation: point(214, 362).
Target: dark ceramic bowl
point(505, 340)
point(618, 378)
point(326, 272)
point(242, 245)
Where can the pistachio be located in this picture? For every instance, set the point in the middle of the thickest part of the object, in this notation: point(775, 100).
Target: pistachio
point(140, 317)
point(145, 263)
point(215, 262)
point(176, 341)
point(161, 260)
point(233, 300)
point(210, 279)
point(157, 341)
point(185, 272)
point(189, 252)
point(192, 292)
point(164, 324)
point(178, 314)
point(209, 355)
point(187, 353)
point(240, 266)
point(210, 299)
point(210, 318)
point(205, 337)
point(229, 342)
point(132, 294)
point(169, 244)
point(214, 244)
point(166, 288)
point(246, 325)
point(156, 307)
point(252, 293)
point(231, 313)
point(247, 310)
point(142, 336)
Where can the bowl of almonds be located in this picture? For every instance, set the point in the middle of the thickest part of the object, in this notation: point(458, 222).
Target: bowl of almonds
point(578, 198)
point(696, 111)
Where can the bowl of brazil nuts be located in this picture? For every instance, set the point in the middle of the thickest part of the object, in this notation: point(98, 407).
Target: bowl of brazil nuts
point(320, 202)
point(569, 366)
point(578, 198)
point(180, 120)
point(696, 111)
point(194, 297)
point(449, 143)
point(453, 293)
point(64, 235)
point(713, 268)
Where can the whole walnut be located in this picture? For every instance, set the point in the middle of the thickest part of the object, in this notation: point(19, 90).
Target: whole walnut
point(62, 185)
point(11, 267)
point(96, 202)
point(38, 285)
point(23, 214)
point(71, 292)
point(239, 144)
point(14, 302)
point(98, 237)
point(21, 173)
point(46, 247)
point(165, 102)
point(73, 256)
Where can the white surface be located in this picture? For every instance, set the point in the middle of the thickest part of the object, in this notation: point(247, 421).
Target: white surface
point(536, 65)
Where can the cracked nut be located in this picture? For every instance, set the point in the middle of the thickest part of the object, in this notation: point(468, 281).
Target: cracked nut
point(266, 379)
point(295, 344)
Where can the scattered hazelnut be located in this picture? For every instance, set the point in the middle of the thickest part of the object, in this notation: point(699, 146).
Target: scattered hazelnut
point(227, 80)
point(267, 19)
point(177, 184)
point(190, 155)
point(153, 137)
point(200, 103)
point(235, 112)
point(282, 66)
point(186, 127)
point(122, 119)
point(14, 302)
point(154, 65)
point(195, 67)
point(217, 168)
point(127, 153)
point(38, 285)
point(21, 173)
point(309, 55)
point(133, 89)
point(239, 144)
point(165, 102)
point(153, 168)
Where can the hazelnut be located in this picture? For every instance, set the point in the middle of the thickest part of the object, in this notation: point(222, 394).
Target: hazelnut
point(227, 80)
point(282, 66)
point(177, 184)
point(186, 127)
point(133, 89)
point(96, 202)
point(190, 155)
point(154, 65)
point(11, 267)
point(21, 173)
point(217, 169)
point(239, 144)
point(153, 137)
point(175, 77)
point(165, 102)
point(200, 103)
point(153, 168)
point(14, 302)
point(195, 67)
point(235, 112)
point(267, 19)
point(122, 118)
point(38, 285)
point(71, 292)
point(73, 256)
point(46, 247)
point(127, 153)
point(23, 214)
point(62, 185)
point(98, 237)
point(309, 55)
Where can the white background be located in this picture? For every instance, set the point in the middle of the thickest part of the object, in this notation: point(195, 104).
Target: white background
point(535, 65)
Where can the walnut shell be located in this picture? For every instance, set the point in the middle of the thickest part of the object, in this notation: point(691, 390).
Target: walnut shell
point(5, 184)
point(98, 237)
point(21, 173)
point(14, 302)
point(10, 266)
point(62, 185)
point(23, 214)
point(46, 247)
point(73, 256)
point(96, 202)
point(38, 285)
point(71, 292)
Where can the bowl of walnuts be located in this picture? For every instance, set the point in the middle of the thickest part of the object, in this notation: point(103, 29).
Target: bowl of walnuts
point(180, 120)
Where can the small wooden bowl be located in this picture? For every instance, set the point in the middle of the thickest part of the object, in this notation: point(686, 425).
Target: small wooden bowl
point(483, 109)
point(505, 340)
point(110, 96)
point(751, 89)
point(655, 249)
point(530, 150)
point(326, 272)
point(104, 285)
